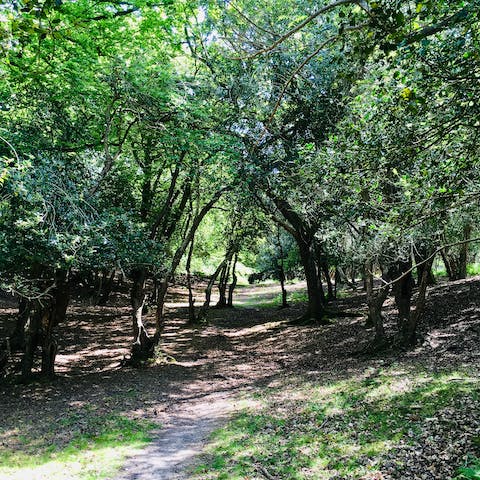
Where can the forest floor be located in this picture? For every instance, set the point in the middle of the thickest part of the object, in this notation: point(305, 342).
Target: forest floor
point(285, 402)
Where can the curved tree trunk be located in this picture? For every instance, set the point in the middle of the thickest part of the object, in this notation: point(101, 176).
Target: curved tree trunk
point(316, 306)
point(375, 300)
point(44, 316)
point(17, 339)
point(202, 314)
point(232, 286)
point(409, 331)
point(142, 347)
point(403, 284)
point(326, 274)
point(191, 299)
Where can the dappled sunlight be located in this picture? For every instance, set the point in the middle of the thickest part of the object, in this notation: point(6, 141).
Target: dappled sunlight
point(73, 466)
point(314, 405)
point(348, 427)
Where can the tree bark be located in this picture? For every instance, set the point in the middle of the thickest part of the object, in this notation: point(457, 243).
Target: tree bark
point(222, 285)
point(326, 274)
point(32, 333)
point(316, 307)
point(463, 257)
point(281, 275)
point(409, 331)
point(142, 347)
point(44, 316)
point(456, 261)
point(449, 265)
point(160, 311)
point(420, 256)
point(107, 287)
point(305, 238)
point(375, 301)
point(191, 299)
point(232, 286)
point(401, 275)
point(17, 339)
point(52, 316)
point(202, 314)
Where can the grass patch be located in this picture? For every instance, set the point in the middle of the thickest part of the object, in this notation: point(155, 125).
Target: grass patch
point(275, 300)
point(473, 269)
point(339, 430)
point(81, 444)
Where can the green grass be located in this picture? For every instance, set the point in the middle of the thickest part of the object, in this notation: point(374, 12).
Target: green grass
point(471, 471)
point(82, 444)
point(473, 269)
point(268, 301)
point(307, 430)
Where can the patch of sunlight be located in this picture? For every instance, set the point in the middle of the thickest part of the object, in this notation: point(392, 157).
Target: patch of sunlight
point(339, 428)
point(388, 390)
point(251, 330)
point(378, 447)
point(319, 465)
point(87, 465)
point(80, 445)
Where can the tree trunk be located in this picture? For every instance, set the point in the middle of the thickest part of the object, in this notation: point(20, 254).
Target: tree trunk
point(32, 334)
point(449, 265)
point(44, 316)
point(421, 254)
point(232, 286)
point(326, 274)
point(315, 308)
point(403, 284)
point(17, 339)
point(191, 299)
point(463, 257)
point(375, 301)
point(202, 314)
point(281, 271)
point(409, 331)
point(142, 347)
point(160, 313)
point(187, 238)
point(107, 287)
point(222, 284)
point(281, 275)
point(305, 238)
point(52, 316)
point(4, 358)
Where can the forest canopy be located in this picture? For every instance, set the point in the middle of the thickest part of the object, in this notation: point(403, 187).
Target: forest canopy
point(139, 138)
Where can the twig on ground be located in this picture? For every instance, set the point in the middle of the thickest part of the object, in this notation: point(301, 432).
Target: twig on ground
point(263, 471)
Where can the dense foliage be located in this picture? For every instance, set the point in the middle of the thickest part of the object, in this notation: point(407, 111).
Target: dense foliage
point(342, 136)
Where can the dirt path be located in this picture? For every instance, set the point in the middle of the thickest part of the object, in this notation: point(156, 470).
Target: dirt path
point(225, 366)
point(182, 438)
point(241, 350)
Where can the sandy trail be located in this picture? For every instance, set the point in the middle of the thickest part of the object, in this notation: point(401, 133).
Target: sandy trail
point(176, 446)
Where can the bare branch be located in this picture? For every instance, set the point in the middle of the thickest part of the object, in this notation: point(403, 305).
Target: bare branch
point(430, 257)
point(298, 27)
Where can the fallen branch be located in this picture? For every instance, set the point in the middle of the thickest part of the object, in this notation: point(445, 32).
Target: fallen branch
point(263, 471)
